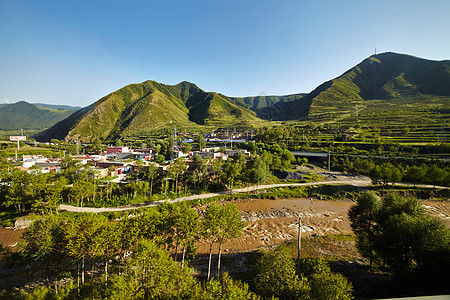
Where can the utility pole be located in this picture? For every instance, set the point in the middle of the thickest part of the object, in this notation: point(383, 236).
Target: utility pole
point(299, 243)
point(329, 161)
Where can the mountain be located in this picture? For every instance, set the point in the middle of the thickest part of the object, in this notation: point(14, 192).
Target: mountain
point(267, 107)
point(29, 116)
point(386, 76)
point(57, 106)
point(149, 106)
point(140, 108)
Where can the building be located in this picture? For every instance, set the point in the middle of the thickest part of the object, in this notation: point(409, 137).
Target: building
point(117, 149)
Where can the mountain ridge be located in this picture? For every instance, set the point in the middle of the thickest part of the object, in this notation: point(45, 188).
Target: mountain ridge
point(150, 105)
point(24, 115)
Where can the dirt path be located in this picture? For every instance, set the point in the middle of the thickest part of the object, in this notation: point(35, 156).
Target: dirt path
point(357, 182)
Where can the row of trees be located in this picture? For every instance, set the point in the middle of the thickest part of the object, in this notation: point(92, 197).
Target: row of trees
point(397, 234)
point(387, 172)
point(56, 247)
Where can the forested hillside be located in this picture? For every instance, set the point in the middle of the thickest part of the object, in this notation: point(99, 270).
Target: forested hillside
point(23, 115)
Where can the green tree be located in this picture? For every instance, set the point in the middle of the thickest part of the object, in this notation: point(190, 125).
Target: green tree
point(225, 288)
point(152, 274)
point(434, 175)
point(210, 229)
point(187, 147)
point(256, 170)
point(363, 222)
point(230, 226)
point(79, 234)
point(324, 283)
point(276, 276)
point(41, 248)
point(150, 175)
point(187, 224)
point(200, 142)
point(159, 159)
point(405, 238)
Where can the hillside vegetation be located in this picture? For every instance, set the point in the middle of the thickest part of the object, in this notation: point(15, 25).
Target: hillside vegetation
point(23, 115)
point(149, 106)
point(383, 90)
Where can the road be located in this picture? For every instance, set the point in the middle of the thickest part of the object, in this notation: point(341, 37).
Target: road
point(357, 182)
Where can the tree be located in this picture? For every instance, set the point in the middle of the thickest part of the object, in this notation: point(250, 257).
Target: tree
point(276, 276)
point(416, 174)
point(41, 248)
point(80, 233)
point(200, 142)
point(434, 175)
point(362, 217)
point(232, 170)
point(225, 288)
point(324, 283)
point(230, 225)
point(187, 225)
point(151, 174)
point(256, 170)
point(210, 229)
point(51, 196)
point(159, 159)
point(404, 238)
point(187, 147)
point(16, 192)
point(152, 274)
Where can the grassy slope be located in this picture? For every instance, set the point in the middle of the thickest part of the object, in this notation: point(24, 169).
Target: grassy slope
point(140, 108)
point(387, 76)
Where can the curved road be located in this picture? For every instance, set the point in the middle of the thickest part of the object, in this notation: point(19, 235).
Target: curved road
point(357, 182)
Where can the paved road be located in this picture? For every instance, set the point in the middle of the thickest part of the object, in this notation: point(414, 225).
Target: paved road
point(357, 182)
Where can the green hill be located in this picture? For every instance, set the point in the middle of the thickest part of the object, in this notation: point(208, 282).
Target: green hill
point(141, 108)
point(23, 115)
point(148, 106)
point(386, 76)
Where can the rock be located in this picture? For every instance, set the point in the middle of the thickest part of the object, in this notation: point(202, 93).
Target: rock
point(22, 223)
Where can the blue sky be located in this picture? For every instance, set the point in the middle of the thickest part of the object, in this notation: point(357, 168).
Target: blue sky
point(75, 52)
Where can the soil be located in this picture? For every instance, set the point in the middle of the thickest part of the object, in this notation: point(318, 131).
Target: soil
point(273, 222)
point(10, 237)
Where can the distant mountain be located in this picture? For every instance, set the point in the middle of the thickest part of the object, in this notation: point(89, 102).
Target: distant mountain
point(57, 106)
point(385, 76)
point(29, 116)
point(148, 106)
point(268, 107)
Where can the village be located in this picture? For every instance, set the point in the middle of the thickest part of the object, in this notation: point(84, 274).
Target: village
point(118, 161)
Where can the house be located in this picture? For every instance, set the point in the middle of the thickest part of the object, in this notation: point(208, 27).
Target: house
point(117, 149)
point(231, 153)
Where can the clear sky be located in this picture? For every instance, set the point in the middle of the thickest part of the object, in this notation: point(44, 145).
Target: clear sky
point(75, 52)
